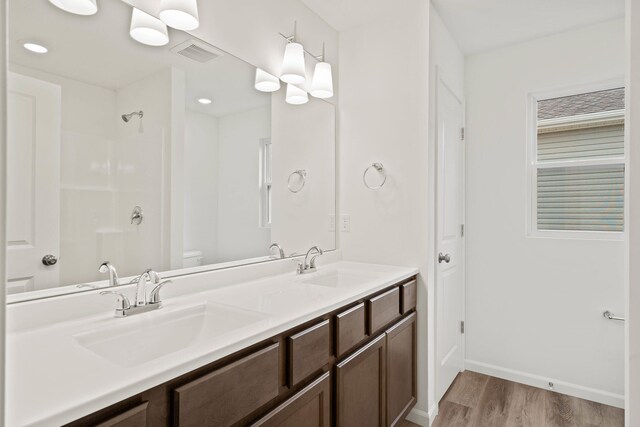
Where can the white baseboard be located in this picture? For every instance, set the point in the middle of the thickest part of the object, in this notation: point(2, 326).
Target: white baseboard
point(422, 418)
point(570, 389)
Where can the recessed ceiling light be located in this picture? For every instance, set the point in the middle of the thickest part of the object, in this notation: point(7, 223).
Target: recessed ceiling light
point(36, 48)
point(205, 101)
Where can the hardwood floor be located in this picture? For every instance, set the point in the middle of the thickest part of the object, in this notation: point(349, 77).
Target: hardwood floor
point(482, 401)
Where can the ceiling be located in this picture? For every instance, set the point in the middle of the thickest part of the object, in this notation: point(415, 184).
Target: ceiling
point(480, 25)
point(98, 50)
point(344, 15)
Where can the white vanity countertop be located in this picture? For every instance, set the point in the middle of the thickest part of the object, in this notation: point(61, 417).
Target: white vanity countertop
point(61, 372)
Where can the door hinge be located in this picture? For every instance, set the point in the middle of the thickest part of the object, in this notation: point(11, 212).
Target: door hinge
point(462, 133)
point(462, 327)
point(461, 230)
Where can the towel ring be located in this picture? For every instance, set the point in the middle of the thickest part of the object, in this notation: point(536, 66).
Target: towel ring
point(381, 171)
point(303, 176)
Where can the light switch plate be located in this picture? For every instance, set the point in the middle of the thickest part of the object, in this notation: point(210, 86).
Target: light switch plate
point(345, 223)
point(332, 222)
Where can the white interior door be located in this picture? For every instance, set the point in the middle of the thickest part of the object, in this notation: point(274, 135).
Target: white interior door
point(33, 182)
point(449, 247)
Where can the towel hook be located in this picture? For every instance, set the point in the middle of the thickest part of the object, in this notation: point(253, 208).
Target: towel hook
point(380, 168)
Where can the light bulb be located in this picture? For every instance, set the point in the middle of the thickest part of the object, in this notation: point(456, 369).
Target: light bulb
point(296, 96)
point(79, 7)
point(322, 83)
point(148, 29)
point(293, 69)
point(180, 14)
point(266, 82)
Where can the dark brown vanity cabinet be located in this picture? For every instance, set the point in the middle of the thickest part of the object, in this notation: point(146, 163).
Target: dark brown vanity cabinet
point(355, 366)
point(376, 386)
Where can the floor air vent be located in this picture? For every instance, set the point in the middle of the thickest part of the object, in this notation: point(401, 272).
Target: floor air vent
point(197, 50)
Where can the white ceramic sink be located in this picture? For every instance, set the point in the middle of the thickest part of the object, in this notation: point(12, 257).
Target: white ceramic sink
point(279, 298)
point(137, 339)
point(338, 278)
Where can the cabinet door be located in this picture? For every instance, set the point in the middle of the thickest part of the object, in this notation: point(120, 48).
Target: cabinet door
point(311, 407)
point(401, 369)
point(360, 387)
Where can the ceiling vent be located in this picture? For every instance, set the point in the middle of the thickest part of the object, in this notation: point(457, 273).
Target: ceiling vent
point(197, 50)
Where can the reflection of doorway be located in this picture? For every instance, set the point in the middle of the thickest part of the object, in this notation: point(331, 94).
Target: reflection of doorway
point(33, 182)
point(449, 244)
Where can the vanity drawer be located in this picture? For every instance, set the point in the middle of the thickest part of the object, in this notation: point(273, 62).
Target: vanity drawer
point(409, 297)
point(310, 407)
point(350, 329)
point(309, 351)
point(383, 309)
point(134, 417)
point(229, 394)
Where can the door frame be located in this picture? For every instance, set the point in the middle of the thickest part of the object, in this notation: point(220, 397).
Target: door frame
point(441, 79)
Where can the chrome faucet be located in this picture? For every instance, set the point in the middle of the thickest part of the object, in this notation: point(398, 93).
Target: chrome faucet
point(309, 264)
point(280, 251)
point(141, 282)
point(113, 274)
point(142, 304)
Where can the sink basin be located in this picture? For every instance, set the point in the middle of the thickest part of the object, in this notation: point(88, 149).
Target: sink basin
point(280, 298)
point(144, 337)
point(336, 279)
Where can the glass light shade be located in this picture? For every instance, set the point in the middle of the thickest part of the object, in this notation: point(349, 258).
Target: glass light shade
point(148, 29)
point(266, 82)
point(79, 7)
point(322, 83)
point(293, 69)
point(296, 96)
point(180, 14)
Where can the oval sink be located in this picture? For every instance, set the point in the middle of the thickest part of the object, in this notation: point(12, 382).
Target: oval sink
point(144, 337)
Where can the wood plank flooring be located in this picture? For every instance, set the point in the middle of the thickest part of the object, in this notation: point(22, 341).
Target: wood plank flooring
point(477, 400)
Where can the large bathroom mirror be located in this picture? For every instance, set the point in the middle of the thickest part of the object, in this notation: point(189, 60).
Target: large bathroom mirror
point(151, 157)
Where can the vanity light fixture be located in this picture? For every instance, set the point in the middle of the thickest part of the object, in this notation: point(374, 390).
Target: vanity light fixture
point(204, 101)
point(180, 14)
point(35, 47)
point(296, 96)
point(266, 82)
point(148, 29)
point(79, 7)
point(322, 83)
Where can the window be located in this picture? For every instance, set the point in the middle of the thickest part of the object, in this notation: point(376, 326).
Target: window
point(578, 163)
point(265, 182)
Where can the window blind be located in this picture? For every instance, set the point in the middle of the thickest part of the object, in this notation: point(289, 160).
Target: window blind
point(588, 198)
point(586, 143)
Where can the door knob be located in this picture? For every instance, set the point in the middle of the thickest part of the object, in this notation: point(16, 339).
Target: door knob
point(49, 260)
point(444, 257)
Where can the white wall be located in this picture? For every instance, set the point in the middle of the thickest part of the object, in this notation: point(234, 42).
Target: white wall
point(303, 137)
point(240, 235)
point(87, 194)
point(384, 77)
point(534, 305)
point(446, 63)
point(201, 185)
point(633, 212)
